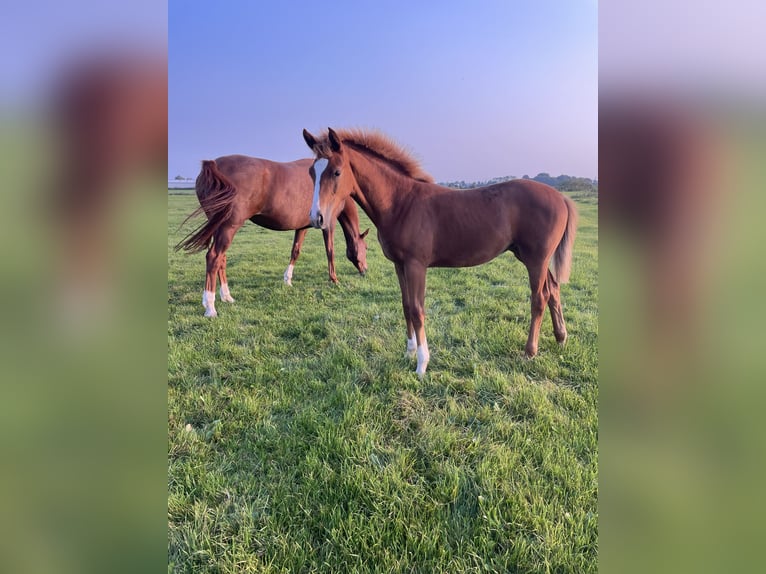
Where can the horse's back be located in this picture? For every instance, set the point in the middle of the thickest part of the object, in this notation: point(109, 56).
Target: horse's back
point(498, 204)
point(246, 171)
point(527, 191)
point(269, 193)
point(242, 170)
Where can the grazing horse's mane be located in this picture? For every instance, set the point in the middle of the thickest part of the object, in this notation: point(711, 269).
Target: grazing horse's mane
point(379, 145)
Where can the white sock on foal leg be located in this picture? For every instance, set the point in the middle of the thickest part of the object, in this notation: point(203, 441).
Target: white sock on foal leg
point(208, 300)
point(412, 346)
point(225, 295)
point(289, 275)
point(423, 357)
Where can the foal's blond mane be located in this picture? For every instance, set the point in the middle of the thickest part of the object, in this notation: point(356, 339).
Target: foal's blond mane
point(379, 145)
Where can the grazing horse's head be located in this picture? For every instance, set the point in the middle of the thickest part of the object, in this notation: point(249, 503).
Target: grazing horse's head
point(333, 178)
point(356, 251)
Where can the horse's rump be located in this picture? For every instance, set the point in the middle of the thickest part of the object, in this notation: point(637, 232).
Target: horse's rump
point(216, 194)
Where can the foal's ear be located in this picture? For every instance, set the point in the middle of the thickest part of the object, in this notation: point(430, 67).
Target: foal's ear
point(310, 140)
point(334, 140)
point(363, 235)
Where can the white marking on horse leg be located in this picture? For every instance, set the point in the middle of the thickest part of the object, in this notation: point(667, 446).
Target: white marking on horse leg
point(319, 167)
point(412, 347)
point(423, 357)
point(225, 294)
point(208, 300)
point(289, 275)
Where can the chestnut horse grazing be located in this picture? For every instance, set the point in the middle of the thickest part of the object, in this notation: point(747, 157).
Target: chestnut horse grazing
point(234, 188)
point(421, 224)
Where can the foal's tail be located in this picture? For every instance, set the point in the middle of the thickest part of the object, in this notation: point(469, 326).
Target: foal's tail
point(562, 258)
point(216, 199)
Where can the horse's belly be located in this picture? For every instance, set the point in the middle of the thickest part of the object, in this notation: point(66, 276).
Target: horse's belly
point(278, 224)
point(468, 258)
point(467, 250)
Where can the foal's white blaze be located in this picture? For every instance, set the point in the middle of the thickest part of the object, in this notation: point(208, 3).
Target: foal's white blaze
point(208, 300)
point(423, 356)
point(289, 274)
point(319, 166)
point(225, 294)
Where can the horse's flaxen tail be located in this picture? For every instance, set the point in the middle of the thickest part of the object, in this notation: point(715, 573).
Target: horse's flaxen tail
point(216, 199)
point(562, 258)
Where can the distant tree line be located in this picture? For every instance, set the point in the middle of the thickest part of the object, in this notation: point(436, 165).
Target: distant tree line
point(561, 182)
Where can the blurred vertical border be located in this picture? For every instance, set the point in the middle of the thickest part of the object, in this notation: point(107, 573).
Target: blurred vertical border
point(682, 156)
point(83, 153)
point(83, 394)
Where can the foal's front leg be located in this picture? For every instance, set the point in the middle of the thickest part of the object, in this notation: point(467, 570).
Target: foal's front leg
point(412, 345)
point(329, 245)
point(415, 276)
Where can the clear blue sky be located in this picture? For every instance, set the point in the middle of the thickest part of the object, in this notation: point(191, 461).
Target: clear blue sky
point(475, 89)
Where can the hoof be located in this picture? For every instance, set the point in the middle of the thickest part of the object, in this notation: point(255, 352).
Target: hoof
point(409, 354)
point(228, 299)
point(210, 313)
point(530, 353)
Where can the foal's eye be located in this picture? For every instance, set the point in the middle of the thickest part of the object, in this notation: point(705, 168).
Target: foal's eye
point(337, 173)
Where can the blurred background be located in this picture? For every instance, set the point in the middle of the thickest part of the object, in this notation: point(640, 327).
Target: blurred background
point(681, 162)
point(83, 138)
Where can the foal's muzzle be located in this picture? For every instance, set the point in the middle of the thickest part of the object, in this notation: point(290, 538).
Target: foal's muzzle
point(317, 220)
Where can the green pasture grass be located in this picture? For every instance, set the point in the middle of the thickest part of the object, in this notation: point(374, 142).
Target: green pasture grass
point(301, 440)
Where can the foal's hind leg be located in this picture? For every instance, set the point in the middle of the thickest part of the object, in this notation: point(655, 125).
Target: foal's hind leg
point(225, 294)
point(554, 304)
point(300, 235)
point(539, 297)
point(215, 258)
point(412, 345)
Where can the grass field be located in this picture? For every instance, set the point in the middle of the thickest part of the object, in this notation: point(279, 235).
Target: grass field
point(301, 440)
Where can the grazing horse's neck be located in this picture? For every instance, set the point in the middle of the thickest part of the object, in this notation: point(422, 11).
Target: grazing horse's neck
point(349, 225)
point(379, 186)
